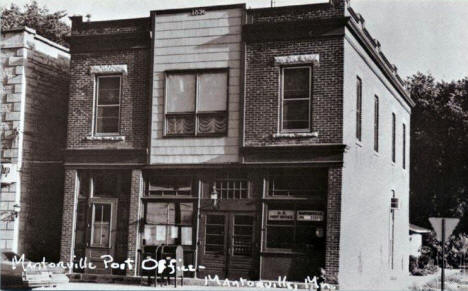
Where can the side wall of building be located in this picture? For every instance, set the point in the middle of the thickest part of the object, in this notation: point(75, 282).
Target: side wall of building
point(36, 117)
point(370, 178)
point(183, 41)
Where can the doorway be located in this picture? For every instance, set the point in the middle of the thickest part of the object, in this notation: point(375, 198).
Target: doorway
point(228, 245)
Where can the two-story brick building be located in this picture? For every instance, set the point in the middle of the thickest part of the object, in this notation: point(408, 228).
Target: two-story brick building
point(267, 142)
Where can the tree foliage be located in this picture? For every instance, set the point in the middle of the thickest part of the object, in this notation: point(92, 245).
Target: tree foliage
point(46, 24)
point(439, 149)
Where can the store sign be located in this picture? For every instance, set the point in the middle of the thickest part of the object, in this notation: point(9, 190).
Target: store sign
point(9, 174)
point(280, 215)
point(310, 215)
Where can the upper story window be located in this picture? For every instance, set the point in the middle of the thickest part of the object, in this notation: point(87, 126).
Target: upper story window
point(393, 137)
point(358, 109)
point(196, 103)
point(376, 123)
point(108, 90)
point(296, 98)
point(404, 146)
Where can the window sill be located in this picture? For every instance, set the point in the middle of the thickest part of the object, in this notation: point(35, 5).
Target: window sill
point(106, 137)
point(295, 135)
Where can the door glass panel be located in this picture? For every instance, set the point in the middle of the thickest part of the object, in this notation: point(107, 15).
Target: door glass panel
point(243, 235)
point(101, 225)
point(214, 241)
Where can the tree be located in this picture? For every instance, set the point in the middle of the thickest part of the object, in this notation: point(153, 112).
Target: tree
point(439, 149)
point(46, 24)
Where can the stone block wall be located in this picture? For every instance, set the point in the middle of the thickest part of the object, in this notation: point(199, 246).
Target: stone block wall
point(35, 83)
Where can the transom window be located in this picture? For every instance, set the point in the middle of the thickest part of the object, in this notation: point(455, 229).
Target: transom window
point(232, 189)
point(196, 103)
point(297, 186)
point(296, 98)
point(170, 185)
point(108, 90)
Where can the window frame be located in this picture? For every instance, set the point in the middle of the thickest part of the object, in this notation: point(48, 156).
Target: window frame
point(195, 113)
point(282, 100)
point(177, 219)
point(376, 123)
point(358, 108)
point(403, 146)
point(393, 137)
point(96, 105)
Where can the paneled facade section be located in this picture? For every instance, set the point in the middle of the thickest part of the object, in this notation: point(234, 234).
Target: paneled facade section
point(196, 43)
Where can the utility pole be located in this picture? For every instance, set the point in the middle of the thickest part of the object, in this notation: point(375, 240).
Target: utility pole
point(272, 3)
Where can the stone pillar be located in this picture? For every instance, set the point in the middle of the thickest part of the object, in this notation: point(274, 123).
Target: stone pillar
point(69, 215)
point(134, 218)
point(332, 255)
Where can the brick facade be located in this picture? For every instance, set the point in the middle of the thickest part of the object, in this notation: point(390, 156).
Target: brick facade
point(68, 218)
point(134, 98)
point(262, 91)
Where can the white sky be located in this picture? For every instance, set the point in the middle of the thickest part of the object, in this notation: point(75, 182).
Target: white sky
point(416, 35)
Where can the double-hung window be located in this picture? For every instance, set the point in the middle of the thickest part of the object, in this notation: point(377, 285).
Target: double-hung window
point(196, 103)
point(295, 99)
point(107, 113)
point(358, 109)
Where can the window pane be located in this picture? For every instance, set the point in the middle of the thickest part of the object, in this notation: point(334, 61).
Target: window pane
point(212, 123)
point(107, 120)
point(180, 124)
point(180, 93)
point(212, 91)
point(109, 90)
point(296, 83)
point(296, 114)
point(160, 213)
point(186, 213)
point(280, 236)
point(170, 185)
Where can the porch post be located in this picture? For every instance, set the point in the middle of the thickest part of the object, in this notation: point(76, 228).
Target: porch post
point(69, 215)
point(333, 221)
point(134, 218)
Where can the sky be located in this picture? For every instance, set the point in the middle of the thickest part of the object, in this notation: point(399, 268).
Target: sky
point(429, 36)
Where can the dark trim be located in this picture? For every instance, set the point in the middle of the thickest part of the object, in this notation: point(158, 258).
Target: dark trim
point(293, 30)
point(189, 9)
point(317, 6)
point(106, 42)
point(105, 156)
point(297, 155)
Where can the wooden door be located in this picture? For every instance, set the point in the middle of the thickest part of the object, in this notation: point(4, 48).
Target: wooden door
point(228, 245)
point(102, 228)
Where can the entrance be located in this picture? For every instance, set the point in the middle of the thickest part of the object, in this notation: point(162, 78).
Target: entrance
point(102, 225)
point(228, 245)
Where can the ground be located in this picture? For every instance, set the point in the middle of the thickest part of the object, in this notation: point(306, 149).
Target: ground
point(100, 286)
point(456, 280)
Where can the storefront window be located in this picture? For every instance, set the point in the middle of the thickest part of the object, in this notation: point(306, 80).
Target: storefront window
point(295, 226)
point(168, 223)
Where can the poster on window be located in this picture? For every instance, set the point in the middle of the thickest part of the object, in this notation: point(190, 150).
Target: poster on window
point(186, 237)
point(150, 234)
point(280, 215)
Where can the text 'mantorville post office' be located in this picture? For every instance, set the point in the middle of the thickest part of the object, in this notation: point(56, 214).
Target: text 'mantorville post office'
point(267, 142)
